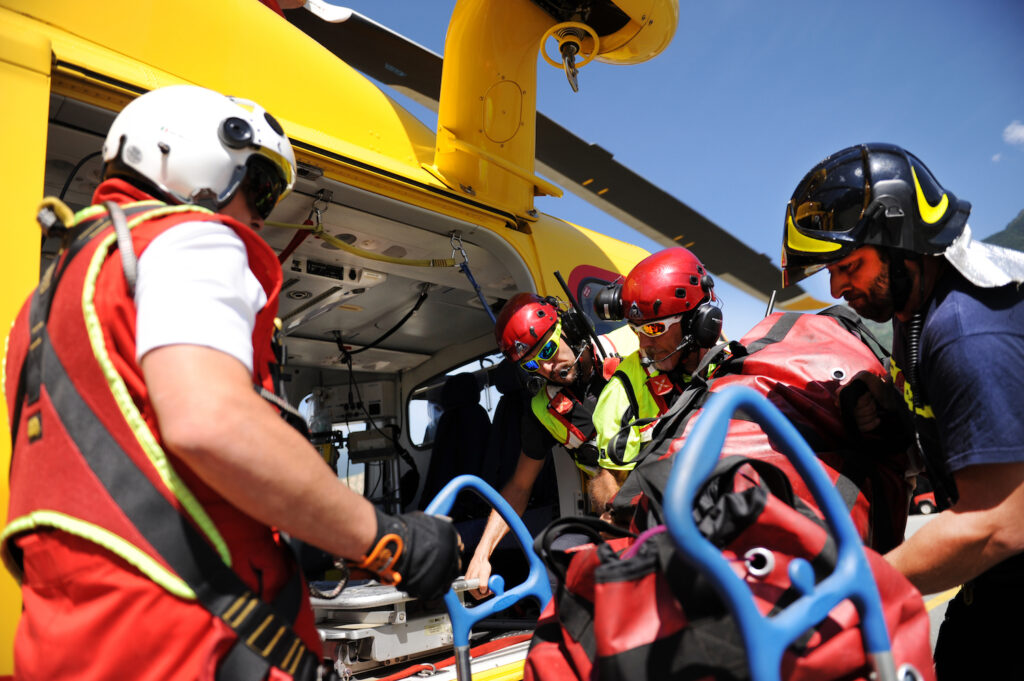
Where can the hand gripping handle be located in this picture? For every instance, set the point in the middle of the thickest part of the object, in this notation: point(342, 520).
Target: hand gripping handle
point(766, 638)
point(536, 584)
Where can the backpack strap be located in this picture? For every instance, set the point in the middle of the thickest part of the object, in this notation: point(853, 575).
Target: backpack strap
point(259, 626)
point(125, 247)
point(575, 613)
point(720, 480)
point(853, 323)
point(617, 443)
point(265, 636)
point(691, 398)
point(777, 332)
point(588, 526)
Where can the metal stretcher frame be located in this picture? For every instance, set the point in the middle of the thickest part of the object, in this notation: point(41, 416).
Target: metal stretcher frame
point(766, 638)
point(536, 584)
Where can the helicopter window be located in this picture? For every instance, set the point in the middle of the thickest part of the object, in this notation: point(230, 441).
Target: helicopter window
point(425, 401)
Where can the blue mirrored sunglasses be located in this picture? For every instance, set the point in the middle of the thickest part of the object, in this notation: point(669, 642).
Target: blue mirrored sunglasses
point(547, 351)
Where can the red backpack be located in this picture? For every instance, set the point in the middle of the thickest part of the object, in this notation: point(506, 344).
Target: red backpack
point(629, 608)
point(799, 362)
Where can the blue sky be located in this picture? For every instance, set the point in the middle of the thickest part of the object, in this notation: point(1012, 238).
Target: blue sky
point(751, 94)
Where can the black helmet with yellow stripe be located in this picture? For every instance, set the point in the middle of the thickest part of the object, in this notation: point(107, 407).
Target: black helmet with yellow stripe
point(869, 194)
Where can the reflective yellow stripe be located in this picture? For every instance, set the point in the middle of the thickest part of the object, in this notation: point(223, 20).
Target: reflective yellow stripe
point(105, 538)
point(291, 651)
point(259, 630)
point(930, 214)
point(234, 607)
point(273, 641)
point(908, 393)
point(939, 599)
point(506, 672)
point(90, 212)
point(797, 241)
point(244, 614)
point(299, 652)
point(123, 398)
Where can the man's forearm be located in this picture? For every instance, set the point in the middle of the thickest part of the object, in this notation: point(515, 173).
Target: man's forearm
point(981, 530)
point(494, 531)
point(939, 556)
point(210, 417)
point(603, 487)
point(496, 527)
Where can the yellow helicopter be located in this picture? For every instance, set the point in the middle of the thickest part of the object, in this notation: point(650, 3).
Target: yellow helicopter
point(387, 215)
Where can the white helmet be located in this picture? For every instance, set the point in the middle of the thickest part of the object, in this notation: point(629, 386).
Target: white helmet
point(197, 145)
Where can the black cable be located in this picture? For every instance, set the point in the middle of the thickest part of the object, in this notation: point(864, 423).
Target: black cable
point(403, 454)
point(345, 353)
point(380, 477)
point(581, 318)
point(74, 171)
point(393, 439)
point(913, 347)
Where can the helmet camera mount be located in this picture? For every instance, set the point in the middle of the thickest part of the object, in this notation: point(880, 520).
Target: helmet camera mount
point(608, 302)
point(235, 133)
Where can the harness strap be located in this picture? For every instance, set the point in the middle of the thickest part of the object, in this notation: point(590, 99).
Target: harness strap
point(691, 398)
point(853, 323)
point(782, 326)
point(215, 585)
point(278, 402)
point(125, 247)
point(464, 268)
point(618, 442)
point(265, 635)
point(560, 404)
point(42, 298)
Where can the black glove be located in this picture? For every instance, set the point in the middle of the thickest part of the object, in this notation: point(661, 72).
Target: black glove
point(429, 559)
point(872, 411)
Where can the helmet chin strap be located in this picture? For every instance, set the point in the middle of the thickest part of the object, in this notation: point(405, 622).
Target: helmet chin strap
point(900, 281)
point(687, 343)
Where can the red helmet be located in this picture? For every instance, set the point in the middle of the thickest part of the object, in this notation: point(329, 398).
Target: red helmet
point(522, 323)
point(664, 284)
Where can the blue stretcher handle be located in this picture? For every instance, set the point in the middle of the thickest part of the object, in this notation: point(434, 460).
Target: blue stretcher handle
point(766, 638)
point(536, 584)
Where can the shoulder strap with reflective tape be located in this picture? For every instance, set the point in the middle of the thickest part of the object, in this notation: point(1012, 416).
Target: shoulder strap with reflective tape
point(265, 637)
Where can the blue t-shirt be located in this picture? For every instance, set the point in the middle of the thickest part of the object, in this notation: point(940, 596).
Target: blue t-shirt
point(972, 370)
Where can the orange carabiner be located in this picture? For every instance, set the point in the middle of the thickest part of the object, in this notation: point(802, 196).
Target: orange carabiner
point(382, 557)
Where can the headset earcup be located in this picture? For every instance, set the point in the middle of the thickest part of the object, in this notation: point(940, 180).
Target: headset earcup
point(706, 326)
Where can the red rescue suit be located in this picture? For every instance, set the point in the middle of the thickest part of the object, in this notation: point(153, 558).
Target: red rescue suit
point(122, 548)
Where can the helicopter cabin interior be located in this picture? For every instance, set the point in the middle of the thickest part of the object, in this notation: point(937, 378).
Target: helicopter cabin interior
point(370, 341)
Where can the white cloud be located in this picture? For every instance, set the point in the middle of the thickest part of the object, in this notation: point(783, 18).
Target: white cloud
point(997, 158)
point(1014, 133)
